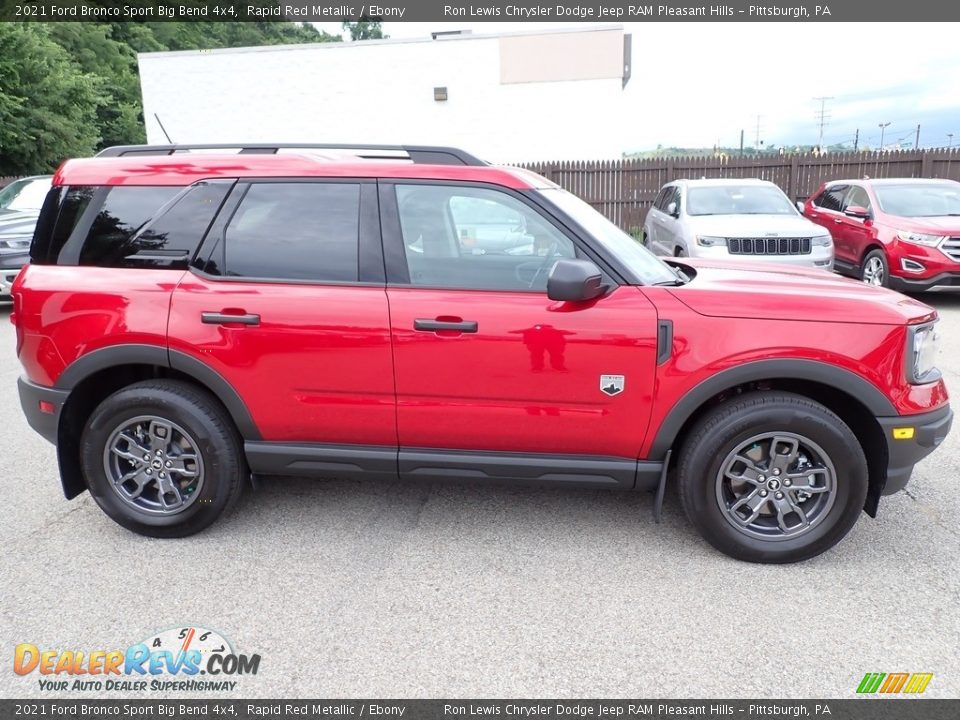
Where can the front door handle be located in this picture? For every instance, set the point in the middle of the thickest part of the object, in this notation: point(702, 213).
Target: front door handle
point(220, 318)
point(464, 326)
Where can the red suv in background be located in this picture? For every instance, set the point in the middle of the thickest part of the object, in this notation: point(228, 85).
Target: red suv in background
point(189, 320)
point(898, 233)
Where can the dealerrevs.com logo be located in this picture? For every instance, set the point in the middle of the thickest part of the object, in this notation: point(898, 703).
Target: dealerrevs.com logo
point(180, 659)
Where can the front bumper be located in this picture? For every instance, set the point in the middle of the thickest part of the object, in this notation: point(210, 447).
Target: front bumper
point(910, 438)
point(10, 266)
point(944, 280)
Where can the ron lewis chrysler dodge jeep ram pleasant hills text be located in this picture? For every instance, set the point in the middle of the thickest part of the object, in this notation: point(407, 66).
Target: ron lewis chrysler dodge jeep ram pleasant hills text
point(192, 318)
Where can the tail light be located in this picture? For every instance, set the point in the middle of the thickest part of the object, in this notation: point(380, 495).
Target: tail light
point(15, 319)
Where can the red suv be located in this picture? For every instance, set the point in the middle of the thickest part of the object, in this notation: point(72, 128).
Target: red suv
point(190, 320)
point(898, 233)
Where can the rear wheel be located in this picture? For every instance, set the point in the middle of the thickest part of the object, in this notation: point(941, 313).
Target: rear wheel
point(162, 458)
point(874, 270)
point(772, 477)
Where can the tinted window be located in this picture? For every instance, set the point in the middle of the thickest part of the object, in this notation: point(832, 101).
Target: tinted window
point(64, 214)
point(475, 238)
point(173, 238)
point(831, 198)
point(659, 203)
point(124, 211)
point(295, 231)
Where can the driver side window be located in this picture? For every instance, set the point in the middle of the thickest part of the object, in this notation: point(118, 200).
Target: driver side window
point(473, 238)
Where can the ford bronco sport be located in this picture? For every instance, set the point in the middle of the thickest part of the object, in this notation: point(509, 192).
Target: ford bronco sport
point(195, 317)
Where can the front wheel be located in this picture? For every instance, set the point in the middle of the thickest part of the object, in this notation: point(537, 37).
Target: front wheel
point(772, 477)
point(162, 458)
point(875, 269)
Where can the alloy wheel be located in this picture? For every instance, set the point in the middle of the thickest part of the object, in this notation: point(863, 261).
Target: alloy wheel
point(154, 465)
point(776, 486)
point(873, 271)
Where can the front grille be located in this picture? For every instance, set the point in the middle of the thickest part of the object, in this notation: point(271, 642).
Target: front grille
point(951, 246)
point(769, 246)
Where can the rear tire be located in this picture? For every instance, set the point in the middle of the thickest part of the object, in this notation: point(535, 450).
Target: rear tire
point(162, 458)
point(874, 270)
point(772, 477)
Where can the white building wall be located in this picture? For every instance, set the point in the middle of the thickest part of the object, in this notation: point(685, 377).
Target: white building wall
point(382, 92)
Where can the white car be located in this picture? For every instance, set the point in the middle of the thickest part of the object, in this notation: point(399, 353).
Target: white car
point(741, 219)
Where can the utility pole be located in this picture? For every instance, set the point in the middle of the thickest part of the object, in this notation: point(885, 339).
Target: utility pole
point(756, 142)
point(916, 144)
point(856, 140)
point(741, 143)
point(949, 140)
point(883, 127)
point(823, 118)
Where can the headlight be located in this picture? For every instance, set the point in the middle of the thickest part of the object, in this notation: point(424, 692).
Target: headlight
point(924, 344)
point(711, 241)
point(15, 242)
point(821, 240)
point(920, 238)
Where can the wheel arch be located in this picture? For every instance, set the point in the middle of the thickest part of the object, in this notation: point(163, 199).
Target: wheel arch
point(94, 376)
point(855, 400)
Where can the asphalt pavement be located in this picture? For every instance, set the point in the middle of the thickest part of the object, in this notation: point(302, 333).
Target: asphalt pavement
point(378, 589)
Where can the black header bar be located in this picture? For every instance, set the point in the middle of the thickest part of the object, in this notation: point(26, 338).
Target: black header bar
point(338, 709)
point(492, 10)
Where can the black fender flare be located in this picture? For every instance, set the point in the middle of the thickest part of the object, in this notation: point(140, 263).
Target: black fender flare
point(118, 355)
point(759, 370)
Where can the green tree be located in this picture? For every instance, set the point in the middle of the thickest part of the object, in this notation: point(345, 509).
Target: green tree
point(48, 106)
point(93, 48)
point(365, 30)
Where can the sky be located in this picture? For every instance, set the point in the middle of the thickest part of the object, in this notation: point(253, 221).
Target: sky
point(699, 84)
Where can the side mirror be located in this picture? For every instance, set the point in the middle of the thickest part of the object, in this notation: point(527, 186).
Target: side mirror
point(575, 281)
point(855, 211)
point(672, 210)
point(800, 206)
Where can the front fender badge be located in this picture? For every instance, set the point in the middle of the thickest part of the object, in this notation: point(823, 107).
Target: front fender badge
point(611, 384)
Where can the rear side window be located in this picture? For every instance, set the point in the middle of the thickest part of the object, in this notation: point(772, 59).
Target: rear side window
point(307, 231)
point(831, 198)
point(129, 226)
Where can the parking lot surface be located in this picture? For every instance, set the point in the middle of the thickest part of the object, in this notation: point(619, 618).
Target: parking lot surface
point(372, 589)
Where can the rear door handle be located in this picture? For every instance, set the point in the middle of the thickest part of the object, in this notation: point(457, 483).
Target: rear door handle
point(219, 318)
point(425, 325)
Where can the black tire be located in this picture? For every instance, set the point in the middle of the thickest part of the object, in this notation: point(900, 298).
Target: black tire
point(875, 261)
point(204, 423)
point(705, 488)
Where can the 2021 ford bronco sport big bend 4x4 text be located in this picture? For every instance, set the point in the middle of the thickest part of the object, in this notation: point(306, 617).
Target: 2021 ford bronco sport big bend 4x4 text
point(190, 318)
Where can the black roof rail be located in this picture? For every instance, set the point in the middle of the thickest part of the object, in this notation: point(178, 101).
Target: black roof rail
point(420, 154)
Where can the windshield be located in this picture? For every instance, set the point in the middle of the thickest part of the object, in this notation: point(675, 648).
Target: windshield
point(650, 269)
point(25, 194)
point(738, 200)
point(920, 200)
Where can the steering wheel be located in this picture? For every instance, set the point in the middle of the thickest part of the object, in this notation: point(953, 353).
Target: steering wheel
point(539, 267)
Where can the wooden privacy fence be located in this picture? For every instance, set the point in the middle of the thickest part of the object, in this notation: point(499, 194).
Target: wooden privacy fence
point(623, 190)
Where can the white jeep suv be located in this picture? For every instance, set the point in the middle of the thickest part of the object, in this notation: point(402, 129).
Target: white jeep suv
point(742, 219)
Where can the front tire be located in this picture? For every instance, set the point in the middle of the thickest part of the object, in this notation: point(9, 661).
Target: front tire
point(772, 477)
point(875, 270)
point(162, 458)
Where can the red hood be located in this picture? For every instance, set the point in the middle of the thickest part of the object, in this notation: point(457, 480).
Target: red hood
point(769, 292)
